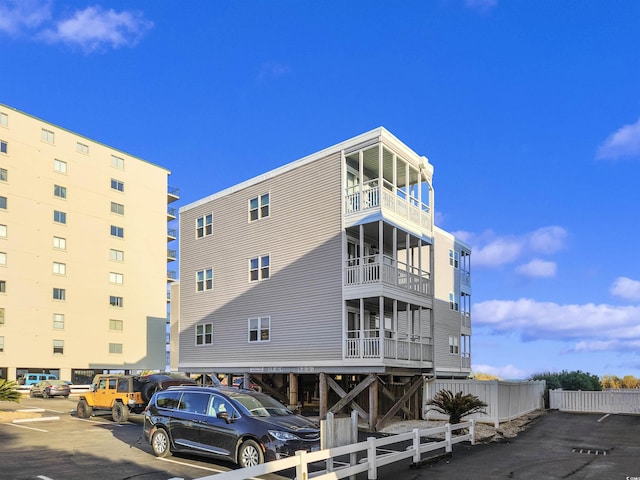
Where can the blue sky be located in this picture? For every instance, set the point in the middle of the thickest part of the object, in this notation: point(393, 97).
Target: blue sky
point(528, 110)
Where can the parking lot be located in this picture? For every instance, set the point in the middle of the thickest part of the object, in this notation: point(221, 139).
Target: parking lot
point(56, 445)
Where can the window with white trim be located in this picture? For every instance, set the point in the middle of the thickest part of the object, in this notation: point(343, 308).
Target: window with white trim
point(60, 191)
point(454, 348)
point(117, 185)
point(59, 293)
point(117, 278)
point(453, 302)
point(1, 344)
point(3, 231)
point(1, 315)
point(259, 329)
point(116, 301)
point(204, 334)
point(117, 162)
point(117, 208)
point(116, 255)
point(3, 146)
point(47, 136)
point(82, 148)
point(58, 347)
point(3, 258)
point(3, 203)
point(59, 268)
point(60, 243)
point(259, 207)
point(59, 166)
point(454, 259)
point(115, 348)
point(3, 286)
point(204, 226)
point(4, 175)
point(117, 231)
point(59, 217)
point(116, 325)
point(259, 268)
point(58, 321)
point(4, 120)
point(204, 280)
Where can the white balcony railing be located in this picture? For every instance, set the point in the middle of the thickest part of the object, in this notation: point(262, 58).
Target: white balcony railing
point(375, 269)
point(366, 344)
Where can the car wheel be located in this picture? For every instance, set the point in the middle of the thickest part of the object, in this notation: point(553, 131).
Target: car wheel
point(250, 454)
point(160, 443)
point(45, 394)
point(120, 412)
point(83, 410)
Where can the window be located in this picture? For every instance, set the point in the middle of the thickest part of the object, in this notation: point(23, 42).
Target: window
point(1, 344)
point(259, 268)
point(3, 286)
point(47, 136)
point(3, 203)
point(3, 146)
point(259, 207)
point(117, 185)
point(116, 325)
point(59, 217)
point(259, 329)
point(116, 301)
point(116, 278)
point(4, 119)
point(59, 294)
point(4, 176)
point(3, 258)
point(60, 243)
point(204, 334)
point(117, 208)
point(59, 268)
point(116, 255)
point(60, 166)
point(204, 280)
point(1, 315)
point(454, 259)
point(3, 231)
point(58, 347)
point(453, 345)
point(453, 302)
point(117, 231)
point(117, 162)
point(115, 348)
point(204, 226)
point(60, 191)
point(82, 148)
point(58, 321)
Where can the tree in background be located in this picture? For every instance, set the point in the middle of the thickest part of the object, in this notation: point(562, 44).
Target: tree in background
point(456, 406)
point(483, 376)
point(613, 382)
point(9, 391)
point(576, 380)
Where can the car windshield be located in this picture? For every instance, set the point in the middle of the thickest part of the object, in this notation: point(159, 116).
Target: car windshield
point(58, 383)
point(261, 405)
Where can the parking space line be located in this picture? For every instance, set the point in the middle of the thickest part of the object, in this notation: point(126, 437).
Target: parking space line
point(42, 477)
point(38, 419)
point(31, 410)
point(604, 417)
point(101, 422)
point(192, 465)
point(24, 426)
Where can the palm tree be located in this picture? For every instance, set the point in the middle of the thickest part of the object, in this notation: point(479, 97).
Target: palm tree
point(9, 391)
point(456, 406)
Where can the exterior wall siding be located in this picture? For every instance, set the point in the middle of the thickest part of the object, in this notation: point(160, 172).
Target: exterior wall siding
point(302, 236)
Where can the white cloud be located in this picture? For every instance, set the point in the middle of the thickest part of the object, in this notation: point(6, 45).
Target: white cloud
point(491, 250)
point(273, 70)
point(624, 143)
point(538, 269)
point(626, 289)
point(16, 16)
point(506, 372)
point(94, 29)
point(585, 324)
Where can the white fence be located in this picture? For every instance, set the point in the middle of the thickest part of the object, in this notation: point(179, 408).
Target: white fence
point(375, 453)
point(505, 400)
point(611, 401)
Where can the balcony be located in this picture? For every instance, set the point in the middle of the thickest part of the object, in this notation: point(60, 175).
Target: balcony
point(173, 194)
point(171, 214)
point(171, 255)
point(371, 197)
point(172, 276)
point(172, 234)
point(382, 269)
point(367, 344)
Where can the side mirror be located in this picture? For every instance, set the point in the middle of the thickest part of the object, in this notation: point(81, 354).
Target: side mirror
point(94, 387)
point(225, 416)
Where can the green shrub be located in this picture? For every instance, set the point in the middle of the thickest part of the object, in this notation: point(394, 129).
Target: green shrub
point(9, 391)
point(456, 406)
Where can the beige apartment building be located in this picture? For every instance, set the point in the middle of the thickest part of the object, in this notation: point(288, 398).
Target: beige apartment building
point(83, 254)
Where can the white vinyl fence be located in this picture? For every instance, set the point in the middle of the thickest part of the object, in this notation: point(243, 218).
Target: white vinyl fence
point(610, 401)
point(505, 400)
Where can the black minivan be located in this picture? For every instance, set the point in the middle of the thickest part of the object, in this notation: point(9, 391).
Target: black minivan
point(244, 426)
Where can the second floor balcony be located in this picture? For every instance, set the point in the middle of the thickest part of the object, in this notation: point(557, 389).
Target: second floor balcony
point(367, 345)
point(382, 269)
